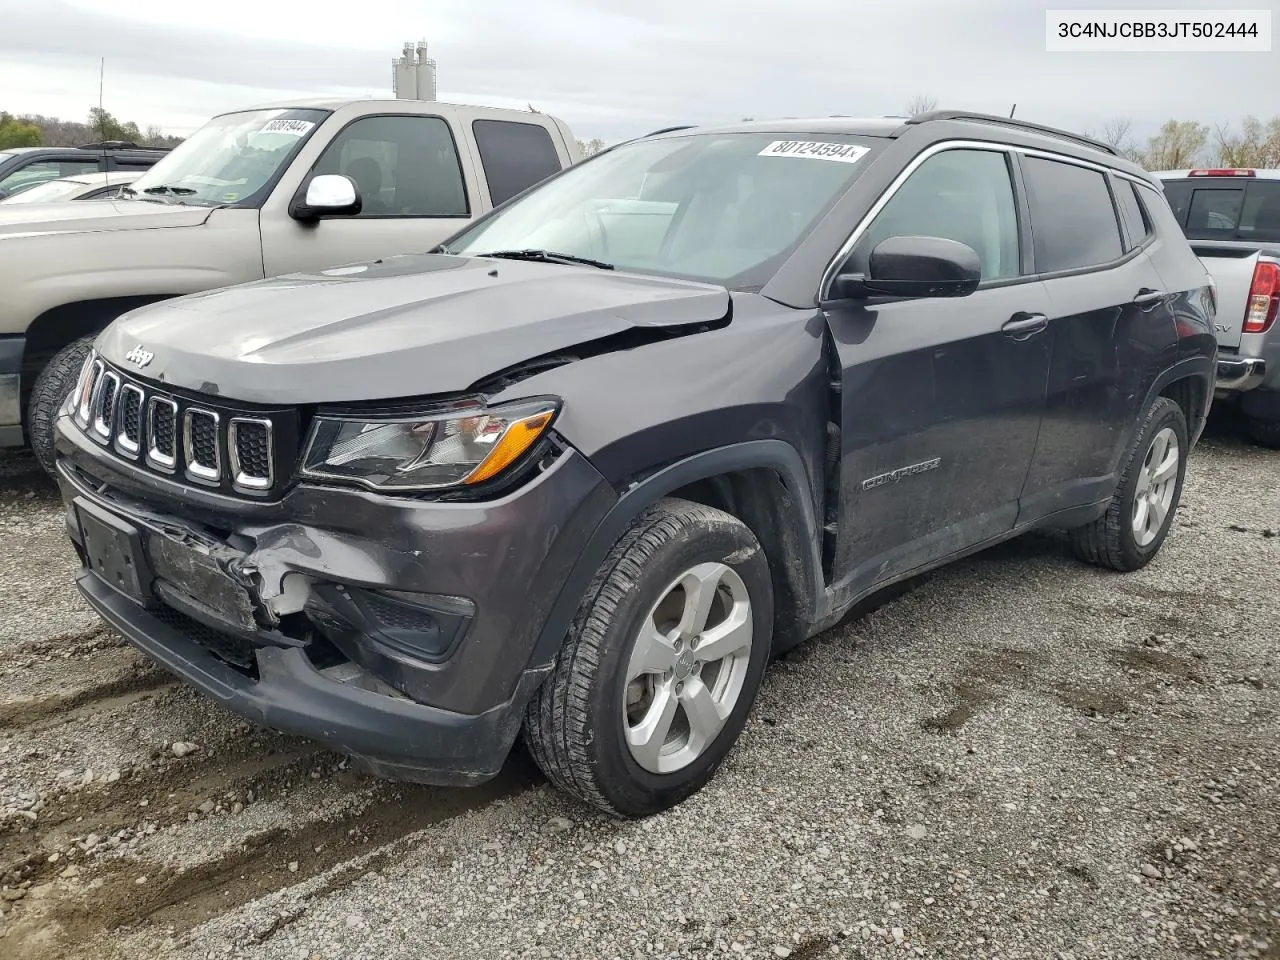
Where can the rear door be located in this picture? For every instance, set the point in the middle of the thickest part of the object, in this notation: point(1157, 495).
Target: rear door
point(1111, 328)
point(941, 398)
point(409, 171)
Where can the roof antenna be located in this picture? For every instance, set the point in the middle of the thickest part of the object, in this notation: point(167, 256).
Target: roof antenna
point(1011, 109)
point(102, 117)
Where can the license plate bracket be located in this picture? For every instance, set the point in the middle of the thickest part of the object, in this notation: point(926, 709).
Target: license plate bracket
point(113, 550)
point(199, 585)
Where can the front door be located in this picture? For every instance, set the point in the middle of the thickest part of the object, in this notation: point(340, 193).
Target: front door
point(942, 398)
point(411, 184)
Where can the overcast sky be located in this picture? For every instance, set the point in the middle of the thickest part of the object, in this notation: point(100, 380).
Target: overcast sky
point(610, 71)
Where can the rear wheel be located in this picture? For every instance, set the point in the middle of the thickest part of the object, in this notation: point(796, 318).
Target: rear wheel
point(56, 380)
point(1142, 508)
point(662, 663)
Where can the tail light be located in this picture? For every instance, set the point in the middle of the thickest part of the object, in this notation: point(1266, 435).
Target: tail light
point(1223, 172)
point(1264, 298)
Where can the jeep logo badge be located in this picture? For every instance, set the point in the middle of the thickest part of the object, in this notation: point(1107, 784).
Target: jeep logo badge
point(139, 357)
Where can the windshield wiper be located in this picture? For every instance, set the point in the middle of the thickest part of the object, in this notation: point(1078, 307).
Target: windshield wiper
point(547, 256)
point(174, 191)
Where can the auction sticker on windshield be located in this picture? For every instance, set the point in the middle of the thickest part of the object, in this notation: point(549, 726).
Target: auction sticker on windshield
point(814, 150)
point(294, 128)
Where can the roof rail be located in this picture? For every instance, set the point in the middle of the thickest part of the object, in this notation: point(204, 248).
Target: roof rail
point(116, 145)
point(683, 126)
point(1016, 124)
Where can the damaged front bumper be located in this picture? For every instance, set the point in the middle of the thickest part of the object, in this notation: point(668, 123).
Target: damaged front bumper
point(401, 632)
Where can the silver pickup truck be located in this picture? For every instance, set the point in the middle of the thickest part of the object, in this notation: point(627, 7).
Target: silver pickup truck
point(271, 190)
point(1232, 219)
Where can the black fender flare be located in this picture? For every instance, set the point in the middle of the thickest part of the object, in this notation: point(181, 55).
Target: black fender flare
point(776, 455)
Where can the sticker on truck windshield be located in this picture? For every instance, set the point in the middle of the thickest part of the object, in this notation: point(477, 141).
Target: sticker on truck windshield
point(292, 128)
point(814, 150)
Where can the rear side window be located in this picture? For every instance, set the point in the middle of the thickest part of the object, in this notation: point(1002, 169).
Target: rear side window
point(515, 156)
point(1073, 221)
point(1136, 222)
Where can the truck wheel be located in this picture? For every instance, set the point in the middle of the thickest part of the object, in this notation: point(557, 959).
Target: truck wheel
point(1263, 432)
point(56, 380)
point(662, 663)
point(1141, 511)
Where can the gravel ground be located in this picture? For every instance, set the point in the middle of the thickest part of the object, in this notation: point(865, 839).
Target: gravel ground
point(1021, 757)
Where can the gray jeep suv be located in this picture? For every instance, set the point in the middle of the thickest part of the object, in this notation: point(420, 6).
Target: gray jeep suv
point(580, 471)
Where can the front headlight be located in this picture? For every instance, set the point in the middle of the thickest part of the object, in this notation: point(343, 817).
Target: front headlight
point(458, 448)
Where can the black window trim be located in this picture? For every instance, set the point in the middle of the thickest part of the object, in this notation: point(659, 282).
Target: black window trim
point(457, 153)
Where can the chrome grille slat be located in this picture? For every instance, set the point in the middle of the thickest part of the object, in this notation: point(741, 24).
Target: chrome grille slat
point(201, 444)
point(88, 393)
point(250, 450)
point(161, 432)
point(131, 416)
point(104, 405)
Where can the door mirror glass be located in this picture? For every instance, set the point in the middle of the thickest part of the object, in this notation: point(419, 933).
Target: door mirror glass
point(328, 195)
point(914, 267)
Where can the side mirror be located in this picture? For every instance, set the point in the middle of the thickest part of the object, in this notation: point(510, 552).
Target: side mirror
point(327, 195)
point(914, 267)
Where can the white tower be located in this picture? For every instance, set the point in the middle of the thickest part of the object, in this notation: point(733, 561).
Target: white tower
point(413, 74)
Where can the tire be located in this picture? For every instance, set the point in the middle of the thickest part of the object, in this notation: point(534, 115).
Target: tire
point(578, 722)
point(1265, 433)
point(56, 380)
point(1126, 537)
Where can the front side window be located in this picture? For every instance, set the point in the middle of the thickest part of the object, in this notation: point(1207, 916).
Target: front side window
point(726, 208)
point(1073, 221)
point(42, 171)
point(961, 195)
point(403, 166)
point(233, 159)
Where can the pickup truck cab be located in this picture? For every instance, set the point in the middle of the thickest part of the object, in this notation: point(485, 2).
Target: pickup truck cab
point(1232, 219)
point(235, 202)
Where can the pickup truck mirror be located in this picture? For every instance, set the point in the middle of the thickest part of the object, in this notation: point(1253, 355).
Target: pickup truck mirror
point(327, 195)
point(913, 267)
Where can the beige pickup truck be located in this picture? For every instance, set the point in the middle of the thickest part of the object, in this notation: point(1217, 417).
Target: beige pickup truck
point(256, 193)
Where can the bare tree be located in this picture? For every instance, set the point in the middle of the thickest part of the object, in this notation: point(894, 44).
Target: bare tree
point(590, 147)
point(1178, 144)
point(922, 103)
point(1257, 144)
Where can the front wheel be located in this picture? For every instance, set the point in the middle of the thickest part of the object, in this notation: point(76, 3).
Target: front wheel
point(56, 380)
point(1142, 508)
point(662, 663)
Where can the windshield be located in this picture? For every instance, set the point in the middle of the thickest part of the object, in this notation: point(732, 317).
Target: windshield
point(232, 159)
point(1226, 209)
point(725, 208)
point(47, 192)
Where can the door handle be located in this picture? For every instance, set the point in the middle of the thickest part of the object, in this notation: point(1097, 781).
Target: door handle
point(1022, 326)
point(1148, 295)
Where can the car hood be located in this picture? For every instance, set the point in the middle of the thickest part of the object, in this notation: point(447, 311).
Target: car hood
point(81, 216)
point(400, 327)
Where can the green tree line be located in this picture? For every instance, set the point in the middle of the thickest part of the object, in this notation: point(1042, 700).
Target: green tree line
point(35, 130)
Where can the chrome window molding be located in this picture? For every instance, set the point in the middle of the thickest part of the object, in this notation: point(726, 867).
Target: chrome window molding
point(829, 274)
